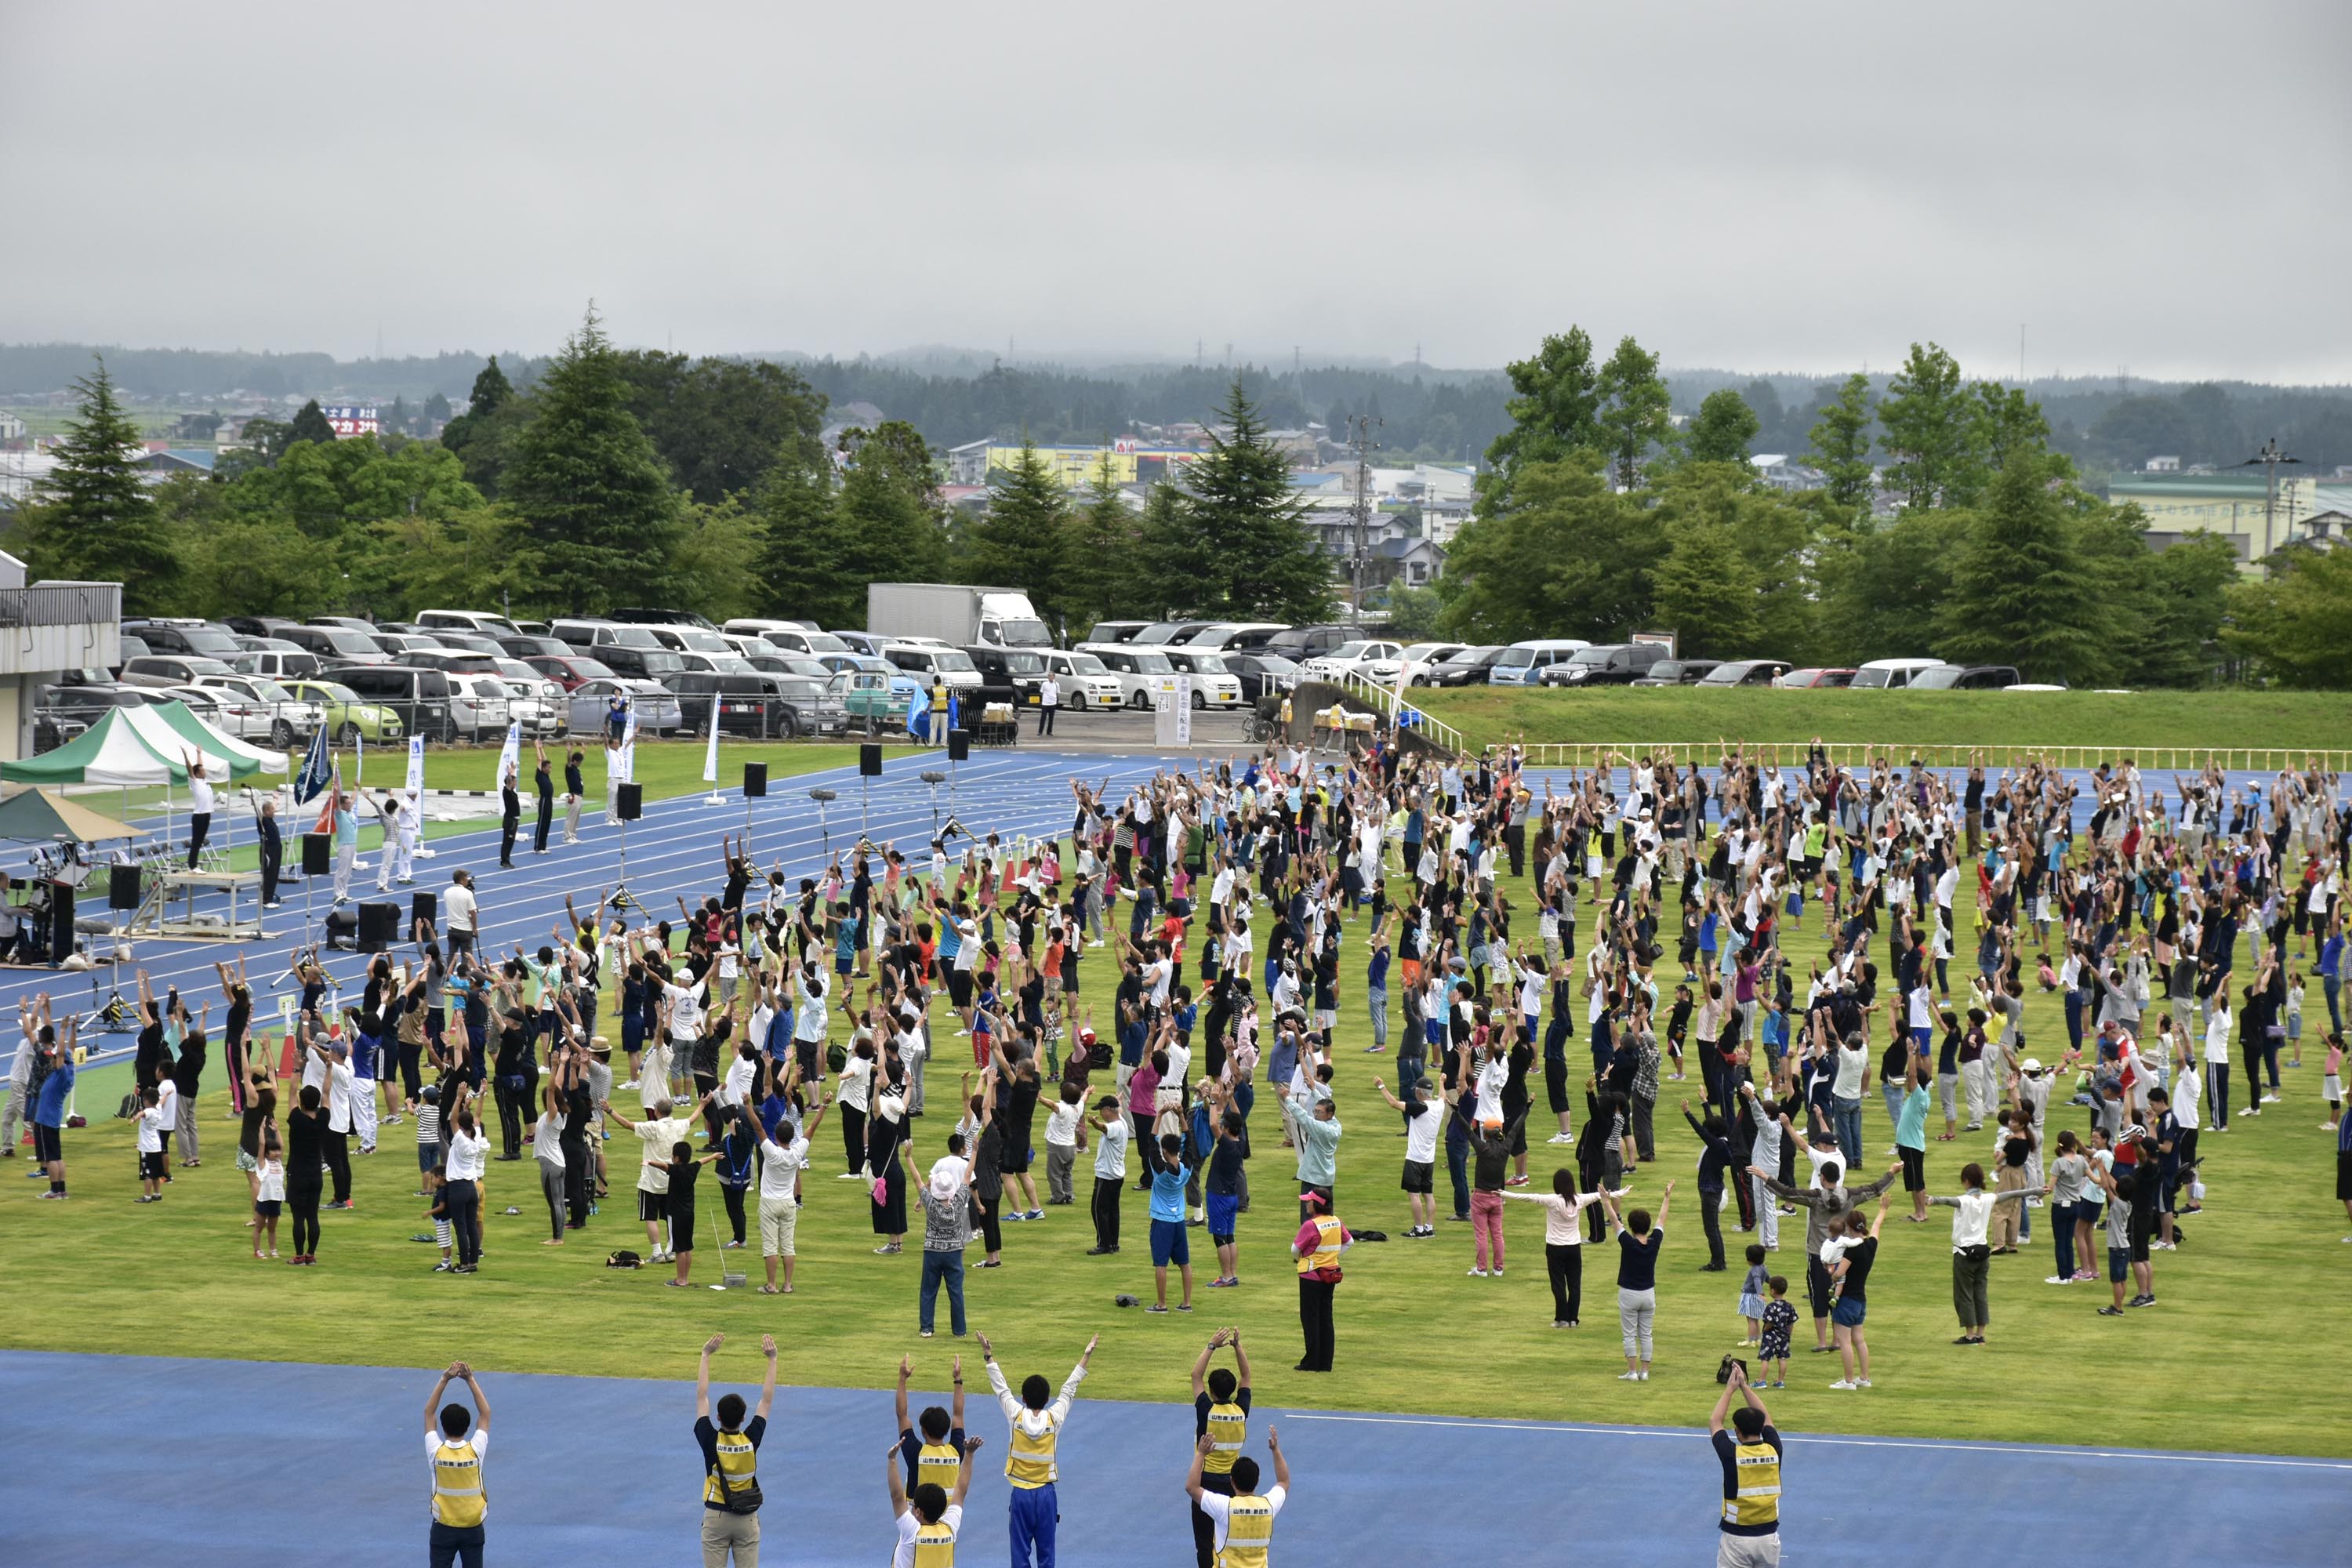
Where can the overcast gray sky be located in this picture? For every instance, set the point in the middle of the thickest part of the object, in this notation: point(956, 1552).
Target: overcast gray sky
point(2158, 185)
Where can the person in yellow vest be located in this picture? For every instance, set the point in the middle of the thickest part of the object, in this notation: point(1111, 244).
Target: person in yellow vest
point(458, 1503)
point(1750, 1452)
point(938, 733)
point(929, 1517)
point(937, 1454)
point(1320, 1240)
point(1245, 1520)
point(1221, 1403)
point(1036, 1426)
point(731, 1451)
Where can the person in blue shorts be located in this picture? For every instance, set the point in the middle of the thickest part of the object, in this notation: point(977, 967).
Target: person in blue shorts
point(1170, 1243)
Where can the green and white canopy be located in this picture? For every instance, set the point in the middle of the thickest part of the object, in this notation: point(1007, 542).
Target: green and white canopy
point(130, 747)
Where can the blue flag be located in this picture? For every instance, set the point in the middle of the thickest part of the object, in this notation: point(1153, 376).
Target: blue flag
point(915, 724)
point(316, 769)
point(955, 713)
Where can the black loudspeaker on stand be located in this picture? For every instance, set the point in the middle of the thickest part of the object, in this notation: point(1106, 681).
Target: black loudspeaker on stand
point(869, 759)
point(958, 745)
point(122, 887)
point(631, 799)
point(318, 855)
point(379, 926)
point(755, 781)
point(423, 907)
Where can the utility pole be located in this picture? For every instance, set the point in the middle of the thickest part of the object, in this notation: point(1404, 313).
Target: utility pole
point(1360, 440)
point(2270, 458)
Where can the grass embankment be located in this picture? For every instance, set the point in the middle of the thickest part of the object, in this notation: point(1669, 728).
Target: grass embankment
point(2151, 725)
point(1414, 1333)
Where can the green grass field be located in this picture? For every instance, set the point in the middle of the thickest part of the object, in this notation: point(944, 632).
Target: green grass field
point(2161, 729)
point(2221, 1357)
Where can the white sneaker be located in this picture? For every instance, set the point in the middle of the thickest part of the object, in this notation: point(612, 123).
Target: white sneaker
point(1862, 1382)
point(1842, 1382)
point(2059, 1279)
point(1640, 1377)
point(1477, 1274)
point(849, 1176)
point(2270, 1099)
point(631, 1084)
point(1559, 1138)
point(1637, 1377)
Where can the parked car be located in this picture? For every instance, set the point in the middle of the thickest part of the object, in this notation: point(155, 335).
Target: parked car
point(641, 616)
point(1214, 685)
point(522, 680)
point(68, 710)
point(481, 709)
point(172, 670)
point(813, 707)
point(869, 699)
point(528, 646)
point(654, 664)
point(571, 671)
point(1412, 663)
point(478, 621)
point(278, 660)
point(1522, 663)
point(1746, 672)
point(346, 714)
point(205, 705)
point(1965, 677)
point(690, 639)
point(1115, 631)
point(1161, 633)
point(1234, 637)
point(791, 635)
point(1143, 673)
point(343, 623)
point(1890, 674)
point(870, 644)
point(743, 702)
point(401, 643)
point(1815, 678)
point(259, 708)
point(1678, 672)
point(657, 706)
point(1467, 668)
point(1605, 663)
point(1263, 674)
point(1356, 657)
point(728, 663)
point(1304, 643)
point(1084, 681)
point(1018, 668)
point(185, 635)
point(338, 644)
point(418, 698)
point(453, 661)
point(925, 661)
point(594, 632)
point(896, 684)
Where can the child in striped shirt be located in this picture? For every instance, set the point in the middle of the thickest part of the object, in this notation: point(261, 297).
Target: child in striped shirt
point(428, 1139)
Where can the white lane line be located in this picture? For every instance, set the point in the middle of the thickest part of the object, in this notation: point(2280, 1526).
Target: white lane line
point(2134, 1455)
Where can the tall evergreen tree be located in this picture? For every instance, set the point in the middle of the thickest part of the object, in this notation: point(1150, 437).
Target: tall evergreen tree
point(1841, 446)
point(2023, 592)
point(311, 424)
point(592, 495)
point(1101, 552)
point(1244, 552)
point(1722, 429)
point(93, 518)
point(1637, 414)
point(1019, 542)
point(1554, 411)
point(805, 566)
point(1930, 424)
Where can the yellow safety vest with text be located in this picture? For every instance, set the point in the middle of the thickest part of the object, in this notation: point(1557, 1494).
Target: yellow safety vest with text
point(457, 1498)
point(934, 1545)
point(939, 1464)
point(1249, 1530)
point(1030, 1464)
point(738, 1460)
point(1228, 1425)
point(1326, 1245)
point(1756, 1494)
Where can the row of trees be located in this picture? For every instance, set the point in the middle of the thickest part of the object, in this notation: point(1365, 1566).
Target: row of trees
point(630, 478)
point(1597, 521)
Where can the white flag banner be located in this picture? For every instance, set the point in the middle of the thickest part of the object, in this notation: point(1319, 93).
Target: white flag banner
point(1183, 709)
point(359, 759)
point(710, 752)
point(414, 783)
point(510, 754)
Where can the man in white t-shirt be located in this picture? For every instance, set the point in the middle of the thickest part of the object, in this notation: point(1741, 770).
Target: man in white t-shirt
point(780, 1165)
point(660, 1134)
point(930, 1517)
point(1243, 1519)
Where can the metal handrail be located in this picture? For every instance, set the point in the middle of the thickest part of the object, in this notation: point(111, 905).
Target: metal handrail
point(1388, 700)
point(62, 605)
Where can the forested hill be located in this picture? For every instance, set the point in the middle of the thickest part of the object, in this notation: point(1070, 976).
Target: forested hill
point(955, 396)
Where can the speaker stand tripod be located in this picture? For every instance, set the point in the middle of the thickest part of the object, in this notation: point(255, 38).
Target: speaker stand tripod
point(824, 827)
point(622, 898)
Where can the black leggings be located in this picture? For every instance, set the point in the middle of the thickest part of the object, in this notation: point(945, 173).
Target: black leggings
point(1314, 1322)
point(551, 1187)
point(304, 1202)
point(464, 1201)
point(853, 1138)
point(992, 1229)
point(1710, 1220)
point(734, 1200)
point(1565, 1263)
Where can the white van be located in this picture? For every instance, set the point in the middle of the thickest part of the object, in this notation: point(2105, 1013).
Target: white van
point(1523, 663)
point(952, 665)
point(1890, 674)
point(791, 637)
point(481, 621)
point(1085, 683)
point(1142, 671)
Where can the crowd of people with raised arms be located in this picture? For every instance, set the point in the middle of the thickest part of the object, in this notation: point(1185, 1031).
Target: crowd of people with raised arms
point(1246, 906)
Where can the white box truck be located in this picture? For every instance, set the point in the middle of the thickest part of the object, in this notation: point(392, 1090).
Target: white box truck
point(955, 613)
